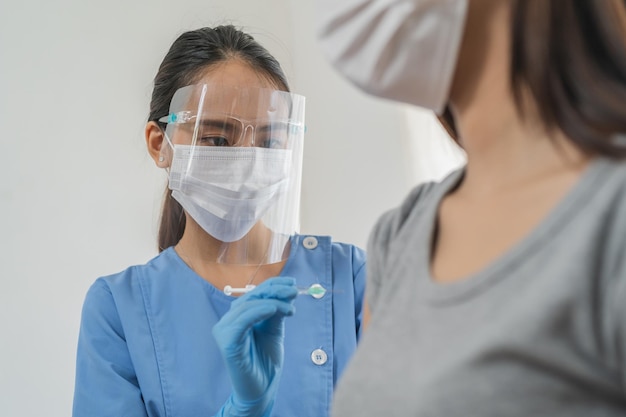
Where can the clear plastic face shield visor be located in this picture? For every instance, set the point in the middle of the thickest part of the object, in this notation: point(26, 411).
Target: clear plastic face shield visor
point(235, 166)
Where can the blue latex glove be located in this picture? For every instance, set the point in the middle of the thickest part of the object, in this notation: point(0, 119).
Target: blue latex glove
point(250, 337)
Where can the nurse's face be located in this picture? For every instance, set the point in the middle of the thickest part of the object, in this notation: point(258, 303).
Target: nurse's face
point(231, 105)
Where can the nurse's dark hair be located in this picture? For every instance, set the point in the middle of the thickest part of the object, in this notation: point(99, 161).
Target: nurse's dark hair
point(569, 57)
point(191, 54)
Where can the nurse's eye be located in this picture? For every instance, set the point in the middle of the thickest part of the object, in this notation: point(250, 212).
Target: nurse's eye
point(217, 133)
point(215, 141)
point(272, 136)
point(272, 143)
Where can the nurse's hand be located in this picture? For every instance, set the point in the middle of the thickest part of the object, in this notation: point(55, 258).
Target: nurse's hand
point(250, 337)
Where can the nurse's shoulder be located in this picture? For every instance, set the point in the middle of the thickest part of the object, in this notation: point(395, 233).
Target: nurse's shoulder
point(124, 286)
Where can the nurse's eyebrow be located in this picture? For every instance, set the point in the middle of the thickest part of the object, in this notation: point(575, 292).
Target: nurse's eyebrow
point(217, 123)
point(273, 126)
point(220, 123)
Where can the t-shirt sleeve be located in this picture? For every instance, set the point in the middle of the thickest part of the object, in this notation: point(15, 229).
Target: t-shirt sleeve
point(620, 304)
point(376, 251)
point(106, 383)
point(383, 235)
point(359, 268)
point(612, 269)
point(617, 310)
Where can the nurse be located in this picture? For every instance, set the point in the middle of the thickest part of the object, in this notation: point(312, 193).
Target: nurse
point(176, 337)
point(501, 290)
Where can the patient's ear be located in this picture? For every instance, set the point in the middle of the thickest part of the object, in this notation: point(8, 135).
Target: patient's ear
point(156, 148)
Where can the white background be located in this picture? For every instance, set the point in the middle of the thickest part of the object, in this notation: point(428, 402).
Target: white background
point(80, 197)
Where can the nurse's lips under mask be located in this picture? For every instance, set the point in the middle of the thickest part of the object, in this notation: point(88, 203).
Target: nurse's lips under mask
point(227, 190)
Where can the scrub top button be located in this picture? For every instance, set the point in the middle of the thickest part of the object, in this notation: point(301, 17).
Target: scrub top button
point(309, 242)
point(319, 357)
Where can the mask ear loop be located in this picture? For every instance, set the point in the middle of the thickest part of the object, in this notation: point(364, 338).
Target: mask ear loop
point(171, 145)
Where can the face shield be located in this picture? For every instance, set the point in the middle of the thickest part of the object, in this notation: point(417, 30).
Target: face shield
point(235, 158)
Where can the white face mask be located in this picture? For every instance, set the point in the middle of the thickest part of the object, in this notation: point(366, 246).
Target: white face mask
point(227, 190)
point(404, 50)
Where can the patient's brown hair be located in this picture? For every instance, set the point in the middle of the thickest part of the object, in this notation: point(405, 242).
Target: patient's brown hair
point(569, 58)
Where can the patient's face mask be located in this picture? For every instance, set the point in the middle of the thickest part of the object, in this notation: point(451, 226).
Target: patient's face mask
point(405, 50)
point(235, 164)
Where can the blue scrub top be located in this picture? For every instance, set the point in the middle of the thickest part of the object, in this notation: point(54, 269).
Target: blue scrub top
point(146, 348)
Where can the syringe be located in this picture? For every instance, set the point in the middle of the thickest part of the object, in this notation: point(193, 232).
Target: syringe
point(315, 290)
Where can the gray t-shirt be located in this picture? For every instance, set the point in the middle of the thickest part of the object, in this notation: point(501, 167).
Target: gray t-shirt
point(539, 332)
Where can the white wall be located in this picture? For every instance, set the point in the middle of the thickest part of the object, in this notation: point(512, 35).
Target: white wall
point(79, 196)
